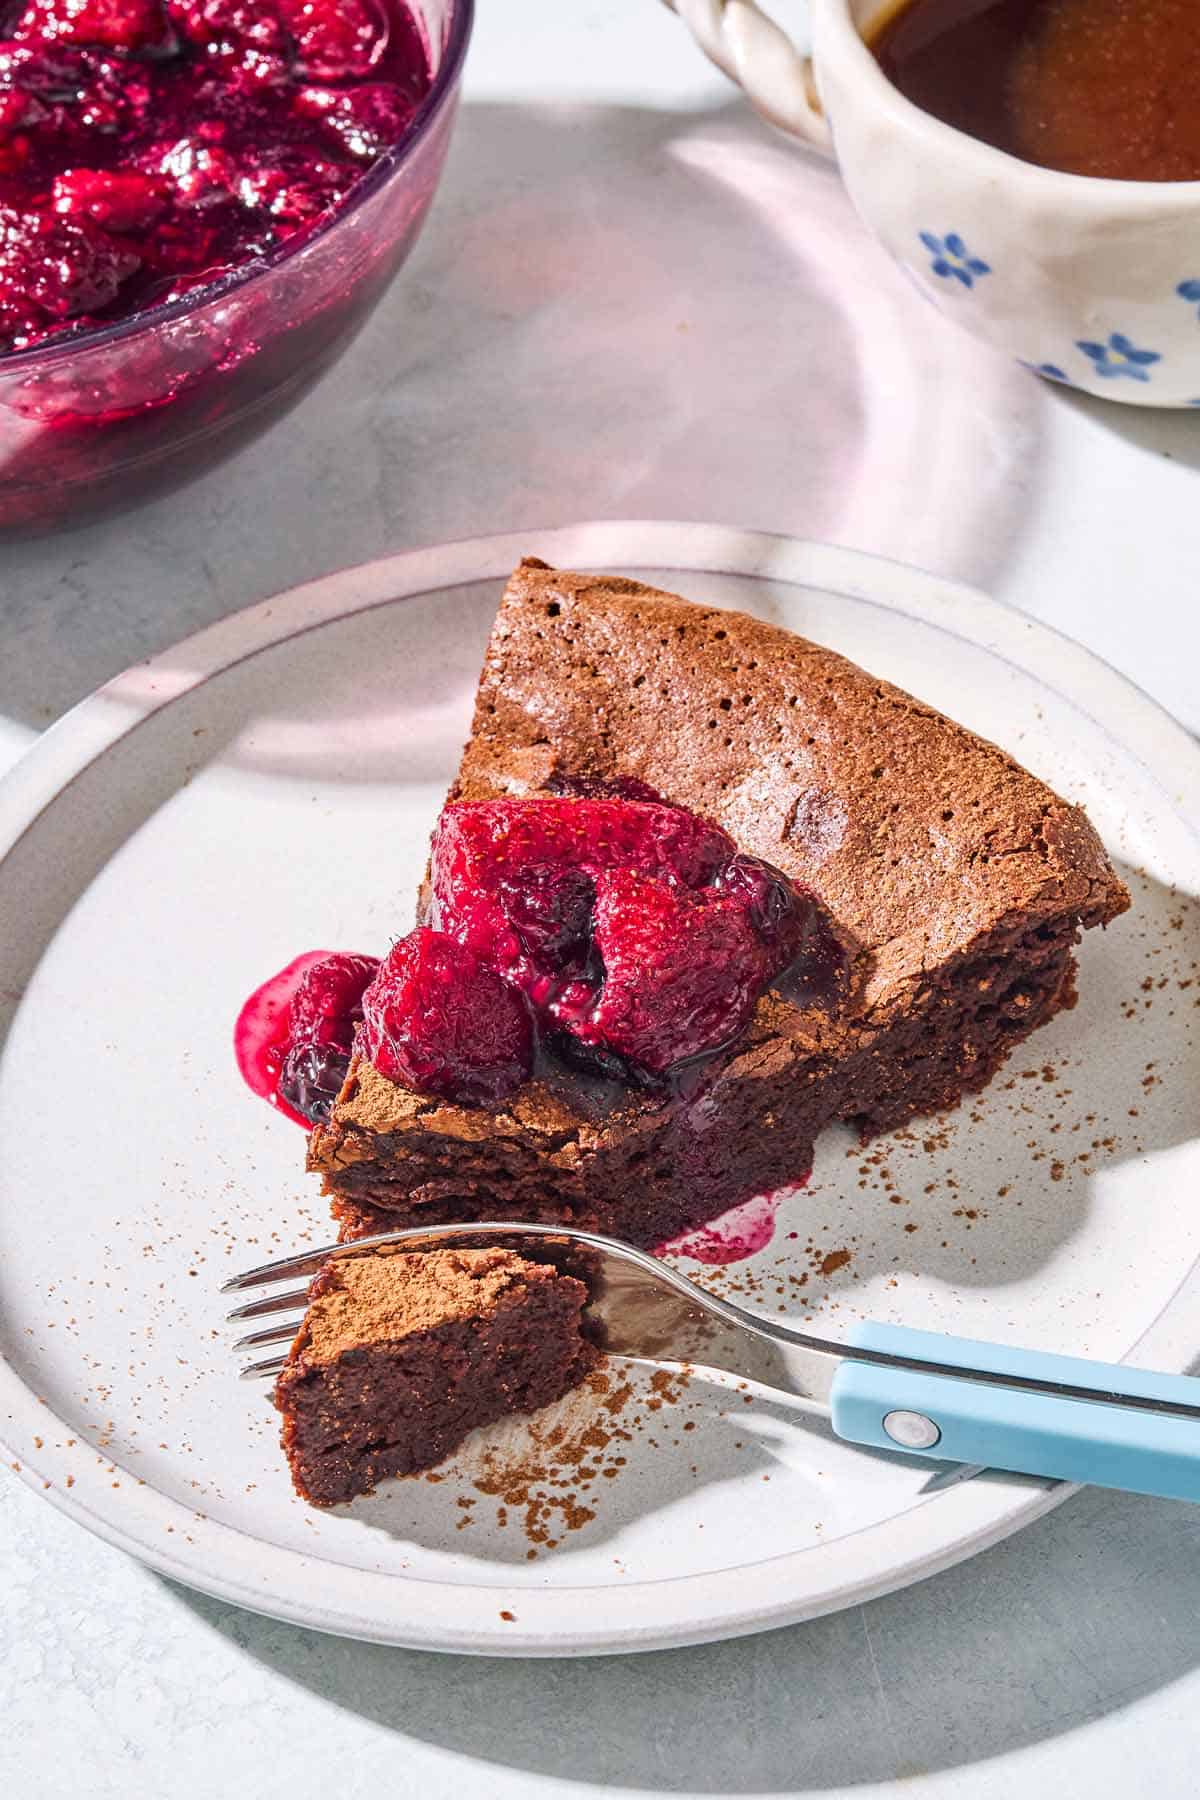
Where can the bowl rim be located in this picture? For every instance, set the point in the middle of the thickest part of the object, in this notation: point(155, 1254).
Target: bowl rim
point(445, 81)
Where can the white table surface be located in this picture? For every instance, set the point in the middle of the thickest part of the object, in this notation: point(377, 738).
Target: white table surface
point(634, 300)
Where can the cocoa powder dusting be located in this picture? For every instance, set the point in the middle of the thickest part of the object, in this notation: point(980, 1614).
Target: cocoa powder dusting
point(550, 1487)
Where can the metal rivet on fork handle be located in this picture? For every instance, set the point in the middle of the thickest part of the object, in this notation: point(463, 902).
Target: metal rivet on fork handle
point(911, 1430)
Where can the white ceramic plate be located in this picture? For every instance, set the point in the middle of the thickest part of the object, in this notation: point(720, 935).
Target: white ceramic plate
point(268, 787)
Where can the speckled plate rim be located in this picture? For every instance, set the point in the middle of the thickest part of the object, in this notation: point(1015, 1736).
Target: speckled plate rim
point(945, 1526)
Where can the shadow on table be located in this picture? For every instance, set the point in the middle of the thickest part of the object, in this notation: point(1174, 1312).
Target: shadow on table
point(1081, 1614)
point(1169, 432)
point(614, 312)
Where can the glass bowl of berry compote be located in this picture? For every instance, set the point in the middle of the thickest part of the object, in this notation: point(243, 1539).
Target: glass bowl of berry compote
point(200, 203)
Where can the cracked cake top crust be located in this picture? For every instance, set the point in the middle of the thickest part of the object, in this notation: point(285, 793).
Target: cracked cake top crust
point(919, 837)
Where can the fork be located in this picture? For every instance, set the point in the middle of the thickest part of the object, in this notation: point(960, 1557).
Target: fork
point(888, 1387)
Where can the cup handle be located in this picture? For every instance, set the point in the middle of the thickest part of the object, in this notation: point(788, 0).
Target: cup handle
point(756, 53)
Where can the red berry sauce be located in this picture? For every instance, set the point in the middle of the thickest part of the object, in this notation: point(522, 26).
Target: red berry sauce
point(293, 1037)
point(626, 940)
point(496, 862)
point(639, 933)
point(148, 147)
point(741, 1232)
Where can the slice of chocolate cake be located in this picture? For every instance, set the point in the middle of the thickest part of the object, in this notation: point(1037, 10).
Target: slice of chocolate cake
point(400, 1355)
point(956, 882)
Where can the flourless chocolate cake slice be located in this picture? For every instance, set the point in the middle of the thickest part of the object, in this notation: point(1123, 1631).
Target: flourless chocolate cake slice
point(400, 1355)
point(956, 882)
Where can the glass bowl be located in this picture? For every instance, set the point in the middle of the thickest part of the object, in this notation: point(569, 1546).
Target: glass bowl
point(115, 415)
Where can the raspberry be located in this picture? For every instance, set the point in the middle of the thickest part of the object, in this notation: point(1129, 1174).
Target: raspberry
point(18, 111)
point(289, 184)
point(294, 1035)
point(640, 934)
point(48, 75)
point(118, 202)
point(246, 46)
point(75, 92)
point(60, 268)
point(336, 39)
point(327, 1003)
point(325, 1012)
point(365, 120)
point(437, 1020)
point(483, 852)
point(199, 174)
point(114, 24)
point(213, 24)
point(682, 972)
point(247, 70)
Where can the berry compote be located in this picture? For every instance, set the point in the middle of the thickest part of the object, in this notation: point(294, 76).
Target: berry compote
point(201, 202)
point(639, 933)
point(627, 940)
point(294, 1035)
point(148, 147)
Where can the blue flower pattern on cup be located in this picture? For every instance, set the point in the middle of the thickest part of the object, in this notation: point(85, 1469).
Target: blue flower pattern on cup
point(1051, 371)
point(952, 260)
point(1119, 356)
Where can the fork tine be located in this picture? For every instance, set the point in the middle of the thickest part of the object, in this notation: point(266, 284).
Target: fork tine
point(415, 1237)
point(271, 1303)
point(268, 1274)
point(311, 1262)
point(612, 1293)
point(274, 1334)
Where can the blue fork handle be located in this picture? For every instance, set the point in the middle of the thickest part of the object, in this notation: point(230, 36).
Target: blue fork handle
point(1008, 1428)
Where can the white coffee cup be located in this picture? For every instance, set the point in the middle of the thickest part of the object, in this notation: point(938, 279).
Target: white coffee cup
point(1092, 283)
